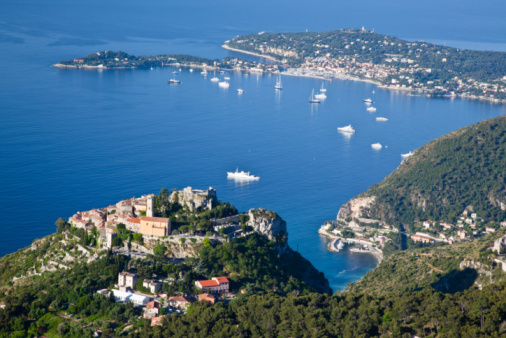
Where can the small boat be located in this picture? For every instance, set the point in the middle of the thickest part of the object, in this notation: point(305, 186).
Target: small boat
point(215, 79)
point(180, 69)
point(321, 96)
point(348, 129)
point(368, 101)
point(312, 99)
point(222, 72)
point(322, 89)
point(204, 72)
point(371, 109)
point(227, 78)
point(373, 92)
point(407, 155)
point(240, 91)
point(191, 70)
point(174, 81)
point(241, 175)
point(175, 72)
point(246, 74)
point(376, 146)
point(151, 68)
point(381, 119)
point(279, 85)
point(224, 84)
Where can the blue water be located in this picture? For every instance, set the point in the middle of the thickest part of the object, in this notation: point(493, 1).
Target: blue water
point(75, 140)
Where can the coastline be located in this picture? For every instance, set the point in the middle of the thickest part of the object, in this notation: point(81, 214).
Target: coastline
point(329, 76)
point(333, 245)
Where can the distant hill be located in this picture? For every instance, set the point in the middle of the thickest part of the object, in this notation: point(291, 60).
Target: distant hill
point(463, 169)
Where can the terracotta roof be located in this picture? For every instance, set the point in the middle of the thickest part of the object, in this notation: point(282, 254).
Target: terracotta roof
point(152, 305)
point(156, 320)
point(154, 219)
point(207, 283)
point(134, 220)
point(208, 297)
point(221, 279)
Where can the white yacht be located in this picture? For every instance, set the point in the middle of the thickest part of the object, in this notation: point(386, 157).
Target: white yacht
point(321, 96)
point(227, 78)
point(313, 99)
point(322, 89)
point(241, 175)
point(278, 85)
point(191, 70)
point(371, 109)
point(381, 119)
point(215, 79)
point(376, 146)
point(407, 155)
point(224, 84)
point(348, 129)
point(240, 91)
point(174, 81)
point(368, 101)
point(175, 72)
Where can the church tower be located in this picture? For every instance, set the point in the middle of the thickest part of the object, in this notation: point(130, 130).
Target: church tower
point(149, 207)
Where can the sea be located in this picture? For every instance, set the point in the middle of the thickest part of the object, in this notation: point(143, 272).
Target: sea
point(73, 140)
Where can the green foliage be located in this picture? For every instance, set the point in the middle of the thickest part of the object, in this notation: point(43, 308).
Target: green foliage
point(461, 169)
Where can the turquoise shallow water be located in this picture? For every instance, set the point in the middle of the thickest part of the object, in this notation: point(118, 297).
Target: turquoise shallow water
point(75, 140)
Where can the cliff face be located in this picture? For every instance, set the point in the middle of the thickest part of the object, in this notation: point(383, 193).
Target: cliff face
point(267, 223)
point(355, 208)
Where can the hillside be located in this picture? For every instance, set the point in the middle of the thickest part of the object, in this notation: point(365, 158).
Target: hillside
point(448, 269)
point(460, 172)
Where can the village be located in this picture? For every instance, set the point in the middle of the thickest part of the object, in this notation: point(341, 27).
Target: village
point(371, 236)
point(151, 233)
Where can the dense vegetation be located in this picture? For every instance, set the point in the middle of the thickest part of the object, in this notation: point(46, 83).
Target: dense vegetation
point(121, 59)
point(426, 312)
point(436, 266)
point(366, 46)
point(459, 170)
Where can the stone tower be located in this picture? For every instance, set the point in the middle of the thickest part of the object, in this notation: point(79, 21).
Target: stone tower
point(149, 207)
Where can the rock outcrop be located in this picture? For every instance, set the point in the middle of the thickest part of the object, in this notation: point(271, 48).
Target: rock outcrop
point(355, 208)
point(267, 223)
point(195, 198)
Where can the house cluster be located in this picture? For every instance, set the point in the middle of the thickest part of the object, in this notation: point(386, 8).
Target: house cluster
point(135, 213)
point(152, 306)
point(468, 225)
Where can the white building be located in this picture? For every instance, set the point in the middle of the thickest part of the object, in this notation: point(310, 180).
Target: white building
point(123, 296)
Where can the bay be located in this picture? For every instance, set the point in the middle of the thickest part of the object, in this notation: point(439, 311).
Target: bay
point(75, 140)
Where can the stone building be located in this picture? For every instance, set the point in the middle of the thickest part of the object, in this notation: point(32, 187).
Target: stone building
point(154, 226)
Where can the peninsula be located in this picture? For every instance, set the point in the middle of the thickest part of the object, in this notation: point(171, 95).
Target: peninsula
point(392, 63)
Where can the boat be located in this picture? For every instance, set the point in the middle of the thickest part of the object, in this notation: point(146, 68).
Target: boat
point(215, 79)
point(241, 175)
point(151, 68)
point(224, 84)
point(321, 96)
point(240, 91)
point(407, 155)
point(376, 146)
point(191, 70)
point(368, 101)
point(175, 72)
point(381, 119)
point(174, 81)
point(312, 99)
point(373, 92)
point(322, 89)
point(348, 129)
point(371, 109)
point(222, 72)
point(278, 85)
point(226, 78)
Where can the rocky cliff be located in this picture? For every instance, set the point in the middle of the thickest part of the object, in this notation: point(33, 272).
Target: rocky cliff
point(267, 223)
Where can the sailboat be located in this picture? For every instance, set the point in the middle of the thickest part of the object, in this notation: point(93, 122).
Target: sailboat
point(312, 99)
point(323, 90)
point(278, 85)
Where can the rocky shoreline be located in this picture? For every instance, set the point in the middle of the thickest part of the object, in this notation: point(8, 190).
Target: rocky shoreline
point(336, 240)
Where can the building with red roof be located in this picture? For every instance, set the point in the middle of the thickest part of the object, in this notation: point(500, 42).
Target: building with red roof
point(214, 285)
